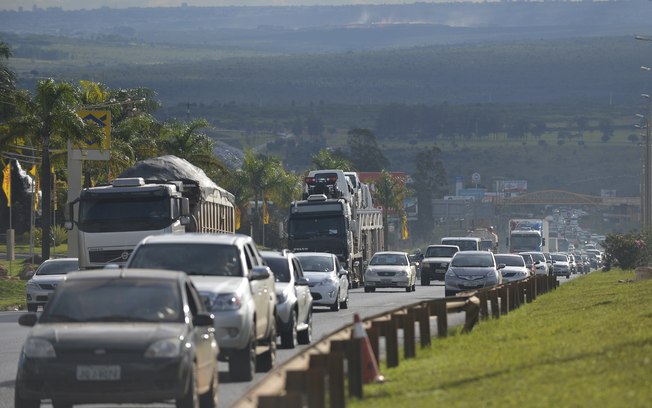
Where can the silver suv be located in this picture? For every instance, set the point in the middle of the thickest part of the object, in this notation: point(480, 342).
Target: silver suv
point(48, 275)
point(237, 287)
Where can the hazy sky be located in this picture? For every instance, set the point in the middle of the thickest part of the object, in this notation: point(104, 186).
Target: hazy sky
point(93, 4)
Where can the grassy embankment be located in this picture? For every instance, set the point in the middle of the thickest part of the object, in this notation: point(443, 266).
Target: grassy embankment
point(587, 344)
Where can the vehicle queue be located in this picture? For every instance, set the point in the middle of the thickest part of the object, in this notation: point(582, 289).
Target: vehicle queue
point(212, 313)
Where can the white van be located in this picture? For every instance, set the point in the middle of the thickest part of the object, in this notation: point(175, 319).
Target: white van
point(464, 243)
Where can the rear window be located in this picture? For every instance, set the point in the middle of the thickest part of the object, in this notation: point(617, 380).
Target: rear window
point(316, 263)
point(440, 252)
point(280, 267)
point(510, 260)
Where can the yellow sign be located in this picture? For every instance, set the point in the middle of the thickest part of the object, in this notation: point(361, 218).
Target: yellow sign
point(103, 120)
point(6, 183)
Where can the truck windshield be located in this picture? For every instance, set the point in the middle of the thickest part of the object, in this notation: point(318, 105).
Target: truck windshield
point(525, 242)
point(301, 228)
point(191, 258)
point(443, 252)
point(124, 214)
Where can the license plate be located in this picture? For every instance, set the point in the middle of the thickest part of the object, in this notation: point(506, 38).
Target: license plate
point(98, 372)
point(386, 280)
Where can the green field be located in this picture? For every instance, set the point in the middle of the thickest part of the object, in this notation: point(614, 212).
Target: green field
point(587, 344)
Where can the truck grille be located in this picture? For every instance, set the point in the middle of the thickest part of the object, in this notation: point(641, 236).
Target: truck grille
point(113, 255)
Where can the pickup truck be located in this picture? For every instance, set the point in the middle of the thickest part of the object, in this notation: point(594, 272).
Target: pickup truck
point(435, 262)
point(237, 287)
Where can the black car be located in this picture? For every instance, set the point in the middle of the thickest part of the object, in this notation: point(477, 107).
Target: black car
point(119, 336)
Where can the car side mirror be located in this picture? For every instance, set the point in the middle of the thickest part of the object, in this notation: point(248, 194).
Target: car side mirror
point(501, 266)
point(260, 272)
point(27, 319)
point(302, 282)
point(343, 272)
point(203, 319)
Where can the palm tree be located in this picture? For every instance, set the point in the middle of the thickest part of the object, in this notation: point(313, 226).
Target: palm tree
point(261, 174)
point(390, 193)
point(325, 159)
point(183, 140)
point(49, 118)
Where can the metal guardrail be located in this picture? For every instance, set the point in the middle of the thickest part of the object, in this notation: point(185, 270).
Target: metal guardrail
point(317, 374)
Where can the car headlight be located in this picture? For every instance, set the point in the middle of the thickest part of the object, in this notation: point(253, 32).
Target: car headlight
point(327, 282)
point(222, 301)
point(32, 285)
point(449, 273)
point(165, 348)
point(403, 273)
point(39, 348)
point(370, 272)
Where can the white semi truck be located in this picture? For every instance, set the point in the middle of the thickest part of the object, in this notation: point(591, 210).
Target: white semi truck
point(160, 195)
point(528, 235)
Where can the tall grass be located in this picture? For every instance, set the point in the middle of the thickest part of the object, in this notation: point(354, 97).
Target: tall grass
point(587, 344)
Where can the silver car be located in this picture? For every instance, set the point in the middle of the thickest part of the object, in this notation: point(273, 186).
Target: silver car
point(561, 265)
point(514, 269)
point(329, 282)
point(48, 275)
point(390, 269)
point(293, 298)
point(470, 270)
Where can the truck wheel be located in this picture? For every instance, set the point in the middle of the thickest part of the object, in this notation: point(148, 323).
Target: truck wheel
point(267, 359)
point(425, 280)
point(20, 402)
point(289, 336)
point(242, 363)
point(305, 336)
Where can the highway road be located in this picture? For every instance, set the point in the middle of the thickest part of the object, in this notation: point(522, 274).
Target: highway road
point(324, 322)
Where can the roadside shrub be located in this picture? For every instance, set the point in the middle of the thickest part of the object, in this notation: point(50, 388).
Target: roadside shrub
point(626, 250)
point(59, 234)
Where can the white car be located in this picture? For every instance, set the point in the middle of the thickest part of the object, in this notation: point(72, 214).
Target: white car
point(540, 263)
point(45, 280)
point(390, 269)
point(514, 269)
point(237, 287)
point(329, 282)
point(293, 298)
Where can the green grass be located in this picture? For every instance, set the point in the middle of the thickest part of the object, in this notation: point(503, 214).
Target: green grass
point(12, 294)
point(589, 343)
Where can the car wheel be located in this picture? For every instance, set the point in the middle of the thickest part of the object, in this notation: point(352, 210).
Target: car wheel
point(305, 336)
point(190, 399)
point(367, 289)
point(289, 336)
point(567, 276)
point(414, 287)
point(242, 363)
point(408, 288)
point(267, 360)
point(425, 280)
point(345, 304)
point(209, 399)
point(336, 306)
point(32, 307)
point(20, 402)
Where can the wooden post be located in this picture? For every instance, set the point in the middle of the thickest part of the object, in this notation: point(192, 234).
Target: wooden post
point(423, 315)
point(484, 310)
point(391, 342)
point(493, 298)
point(409, 341)
point(441, 312)
point(504, 300)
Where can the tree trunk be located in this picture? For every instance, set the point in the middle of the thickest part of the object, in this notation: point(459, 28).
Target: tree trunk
point(46, 207)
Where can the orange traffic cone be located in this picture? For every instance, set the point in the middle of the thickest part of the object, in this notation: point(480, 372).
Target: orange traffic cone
point(370, 372)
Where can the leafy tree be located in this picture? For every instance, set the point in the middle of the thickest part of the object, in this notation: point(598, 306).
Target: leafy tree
point(7, 93)
point(389, 193)
point(49, 119)
point(326, 159)
point(364, 151)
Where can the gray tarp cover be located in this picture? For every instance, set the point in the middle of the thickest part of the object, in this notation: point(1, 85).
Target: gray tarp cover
point(170, 168)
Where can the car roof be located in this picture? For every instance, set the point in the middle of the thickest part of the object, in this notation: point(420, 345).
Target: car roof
point(158, 274)
point(62, 260)
point(313, 253)
point(473, 253)
point(510, 255)
point(390, 253)
point(197, 237)
point(276, 254)
point(442, 246)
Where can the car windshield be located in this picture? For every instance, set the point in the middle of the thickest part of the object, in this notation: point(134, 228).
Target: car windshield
point(192, 258)
point(57, 267)
point(510, 260)
point(280, 267)
point(115, 300)
point(538, 256)
point(462, 244)
point(316, 263)
point(472, 260)
point(440, 252)
point(388, 259)
point(559, 258)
